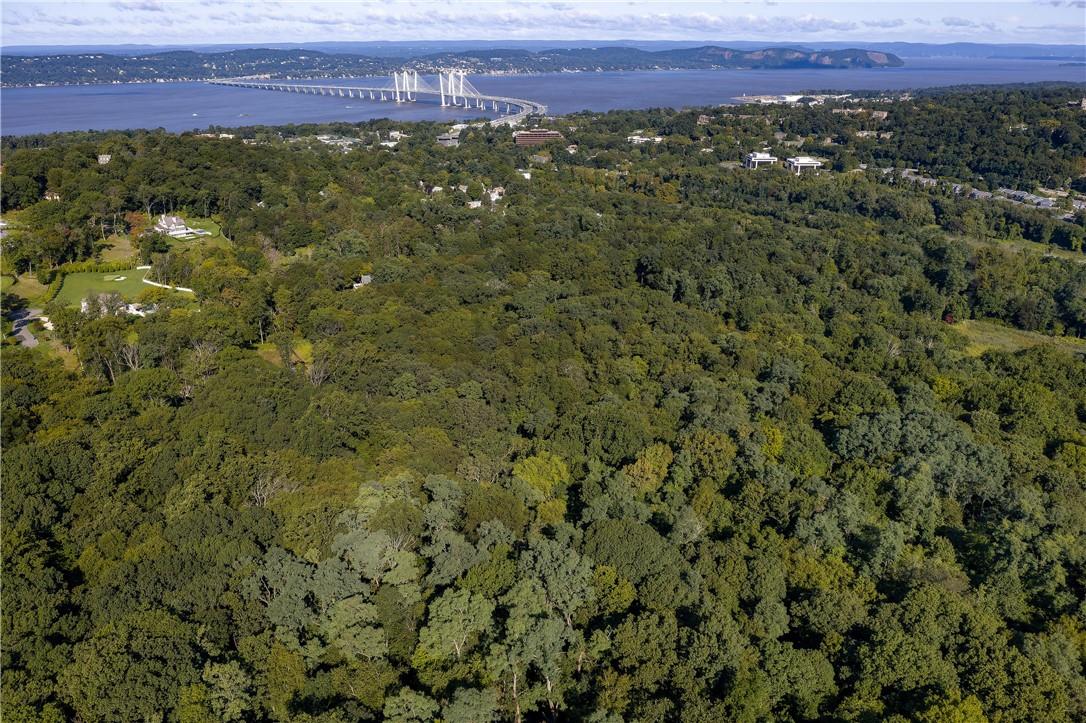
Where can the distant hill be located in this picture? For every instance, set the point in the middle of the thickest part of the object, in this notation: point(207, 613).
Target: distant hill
point(418, 48)
point(96, 67)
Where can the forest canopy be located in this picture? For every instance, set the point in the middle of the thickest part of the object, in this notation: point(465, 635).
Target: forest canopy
point(646, 437)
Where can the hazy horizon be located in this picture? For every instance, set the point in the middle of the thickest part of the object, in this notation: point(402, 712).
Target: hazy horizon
point(394, 47)
point(244, 22)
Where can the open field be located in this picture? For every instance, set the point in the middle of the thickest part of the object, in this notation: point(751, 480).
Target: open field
point(302, 352)
point(24, 286)
point(118, 248)
point(984, 336)
point(76, 287)
point(1029, 247)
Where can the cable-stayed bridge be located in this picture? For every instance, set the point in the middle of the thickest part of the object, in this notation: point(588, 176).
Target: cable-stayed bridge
point(453, 90)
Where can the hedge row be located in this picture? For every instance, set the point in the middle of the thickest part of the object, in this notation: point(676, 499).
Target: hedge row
point(55, 277)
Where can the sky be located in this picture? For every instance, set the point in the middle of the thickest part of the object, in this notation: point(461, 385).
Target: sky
point(174, 22)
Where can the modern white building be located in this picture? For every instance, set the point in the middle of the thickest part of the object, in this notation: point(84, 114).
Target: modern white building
point(757, 158)
point(797, 164)
point(104, 158)
point(638, 139)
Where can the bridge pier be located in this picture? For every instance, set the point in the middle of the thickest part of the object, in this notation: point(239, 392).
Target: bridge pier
point(453, 91)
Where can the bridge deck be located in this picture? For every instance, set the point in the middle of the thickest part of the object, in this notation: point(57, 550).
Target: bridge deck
point(526, 107)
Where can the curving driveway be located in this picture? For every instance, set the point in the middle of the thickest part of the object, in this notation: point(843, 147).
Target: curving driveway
point(21, 319)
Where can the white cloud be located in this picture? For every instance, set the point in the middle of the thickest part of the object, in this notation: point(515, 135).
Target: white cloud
point(887, 23)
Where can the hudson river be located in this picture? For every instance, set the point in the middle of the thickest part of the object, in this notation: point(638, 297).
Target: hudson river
point(187, 106)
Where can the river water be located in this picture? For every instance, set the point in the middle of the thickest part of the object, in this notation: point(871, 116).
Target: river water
point(187, 106)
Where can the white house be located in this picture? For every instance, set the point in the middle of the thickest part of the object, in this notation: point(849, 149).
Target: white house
point(174, 227)
point(757, 158)
point(171, 225)
point(638, 140)
point(799, 163)
point(104, 158)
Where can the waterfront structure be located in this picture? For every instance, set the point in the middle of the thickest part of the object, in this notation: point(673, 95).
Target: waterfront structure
point(454, 90)
point(758, 158)
point(536, 137)
point(798, 164)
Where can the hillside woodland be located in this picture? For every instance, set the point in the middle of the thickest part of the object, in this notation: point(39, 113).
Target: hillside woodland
point(648, 438)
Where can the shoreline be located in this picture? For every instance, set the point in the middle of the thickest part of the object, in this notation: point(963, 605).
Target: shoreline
point(488, 74)
point(27, 113)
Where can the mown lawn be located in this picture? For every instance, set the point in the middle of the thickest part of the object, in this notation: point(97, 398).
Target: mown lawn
point(216, 238)
point(76, 287)
point(984, 336)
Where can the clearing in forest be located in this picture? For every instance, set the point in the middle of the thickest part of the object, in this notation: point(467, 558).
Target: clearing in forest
point(984, 336)
point(78, 286)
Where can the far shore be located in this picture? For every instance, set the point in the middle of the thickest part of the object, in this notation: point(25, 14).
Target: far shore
point(486, 74)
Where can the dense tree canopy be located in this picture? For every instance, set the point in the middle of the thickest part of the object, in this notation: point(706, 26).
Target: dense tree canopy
point(648, 439)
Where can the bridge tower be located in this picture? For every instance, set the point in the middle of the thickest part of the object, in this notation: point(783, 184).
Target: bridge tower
point(452, 85)
point(405, 85)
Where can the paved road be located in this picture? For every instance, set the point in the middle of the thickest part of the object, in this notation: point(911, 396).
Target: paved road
point(22, 319)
